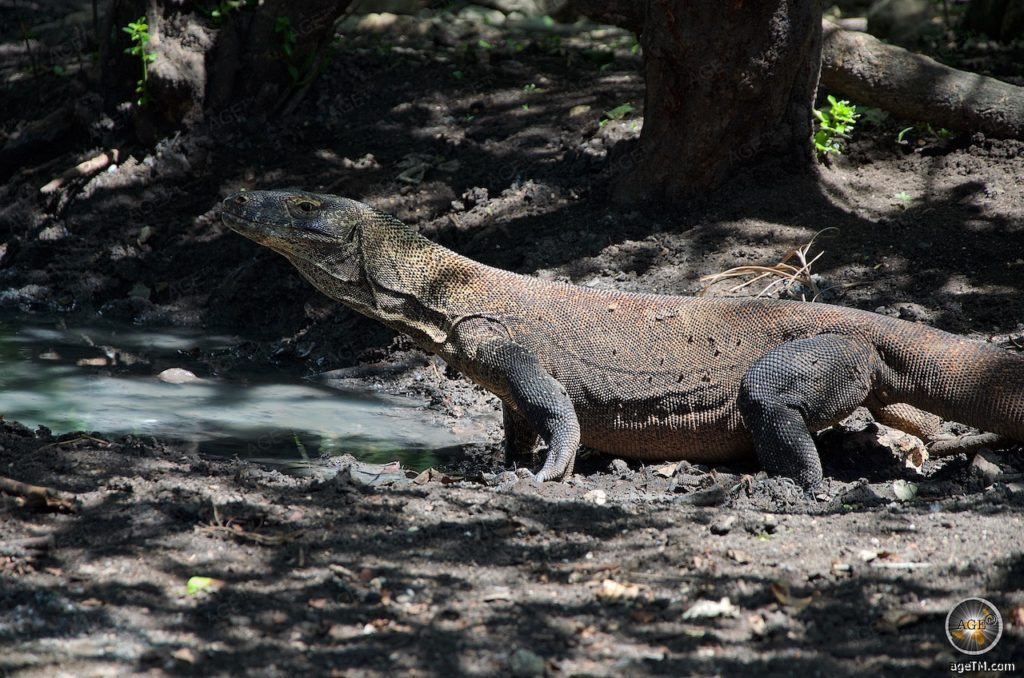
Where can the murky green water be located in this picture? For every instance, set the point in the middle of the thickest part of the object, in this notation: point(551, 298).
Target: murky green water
point(103, 379)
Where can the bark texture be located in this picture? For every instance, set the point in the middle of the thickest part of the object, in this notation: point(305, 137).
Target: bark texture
point(915, 87)
point(728, 84)
point(205, 64)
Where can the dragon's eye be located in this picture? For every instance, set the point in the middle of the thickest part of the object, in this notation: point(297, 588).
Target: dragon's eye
point(303, 208)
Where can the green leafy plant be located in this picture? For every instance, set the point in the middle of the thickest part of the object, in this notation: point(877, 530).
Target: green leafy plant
point(138, 31)
point(289, 38)
point(222, 9)
point(617, 113)
point(835, 124)
point(304, 73)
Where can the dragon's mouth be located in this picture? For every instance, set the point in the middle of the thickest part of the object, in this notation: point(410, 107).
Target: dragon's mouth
point(259, 231)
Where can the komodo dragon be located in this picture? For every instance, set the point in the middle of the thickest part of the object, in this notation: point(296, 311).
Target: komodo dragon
point(639, 375)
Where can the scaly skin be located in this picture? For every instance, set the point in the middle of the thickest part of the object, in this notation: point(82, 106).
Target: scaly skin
point(638, 375)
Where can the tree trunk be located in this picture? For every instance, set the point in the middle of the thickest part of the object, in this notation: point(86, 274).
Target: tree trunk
point(257, 53)
point(728, 85)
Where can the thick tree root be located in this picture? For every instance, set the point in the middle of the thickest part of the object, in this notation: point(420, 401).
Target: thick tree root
point(872, 73)
point(911, 86)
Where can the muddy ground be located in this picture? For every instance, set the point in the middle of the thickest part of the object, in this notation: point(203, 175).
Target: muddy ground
point(500, 153)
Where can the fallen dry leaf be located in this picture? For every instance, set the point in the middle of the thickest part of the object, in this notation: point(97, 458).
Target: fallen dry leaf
point(668, 470)
point(893, 620)
point(184, 654)
point(785, 596)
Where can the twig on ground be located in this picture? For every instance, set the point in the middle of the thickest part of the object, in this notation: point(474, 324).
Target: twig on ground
point(786, 273)
point(37, 496)
point(220, 526)
point(72, 441)
point(82, 169)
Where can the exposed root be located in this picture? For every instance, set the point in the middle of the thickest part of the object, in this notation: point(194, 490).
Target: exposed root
point(915, 87)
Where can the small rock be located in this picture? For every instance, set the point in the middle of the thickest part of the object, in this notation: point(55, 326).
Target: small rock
point(599, 497)
point(140, 291)
point(723, 525)
point(619, 467)
point(525, 664)
point(376, 22)
point(613, 591)
point(741, 557)
point(184, 654)
point(668, 470)
point(705, 609)
point(984, 466)
point(904, 490)
point(55, 232)
point(177, 375)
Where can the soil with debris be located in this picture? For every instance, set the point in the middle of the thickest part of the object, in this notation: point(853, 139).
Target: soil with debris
point(149, 558)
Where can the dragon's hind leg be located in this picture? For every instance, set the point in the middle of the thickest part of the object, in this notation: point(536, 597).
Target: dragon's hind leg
point(804, 385)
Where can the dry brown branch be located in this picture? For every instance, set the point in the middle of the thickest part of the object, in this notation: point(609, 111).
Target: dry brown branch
point(82, 169)
point(73, 441)
point(37, 496)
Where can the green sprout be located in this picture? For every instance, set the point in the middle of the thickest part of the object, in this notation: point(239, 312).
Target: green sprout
point(834, 126)
point(304, 73)
point(923, 131)
point(289, 38)
point(138, 31)
point(617, 113)
point(223, 9)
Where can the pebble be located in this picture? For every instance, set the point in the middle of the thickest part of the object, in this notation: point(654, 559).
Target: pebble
point(985, 467)
point(723, 525)
point(525, 664)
